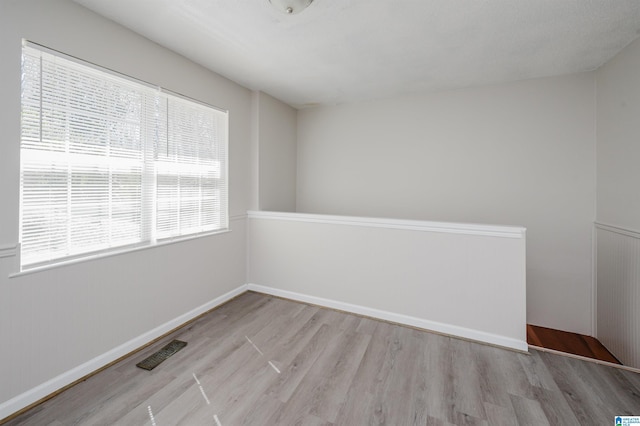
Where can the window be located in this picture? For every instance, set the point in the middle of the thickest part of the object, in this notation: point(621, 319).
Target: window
point(108, 162)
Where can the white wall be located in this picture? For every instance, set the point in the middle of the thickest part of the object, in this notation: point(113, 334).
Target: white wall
point(58, 319)
point(275, 130)
point(515, 154)
point(618, 132)
point(458, 279)
point(618, 206)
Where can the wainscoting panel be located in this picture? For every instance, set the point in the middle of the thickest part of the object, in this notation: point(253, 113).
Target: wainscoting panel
point(618, 292)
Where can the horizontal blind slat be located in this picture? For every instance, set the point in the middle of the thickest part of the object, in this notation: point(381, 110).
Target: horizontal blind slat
point(101, 155)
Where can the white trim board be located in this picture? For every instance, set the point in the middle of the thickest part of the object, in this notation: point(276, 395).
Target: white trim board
point(594, 280)
point(452, 330)
point(618, 230)
point(413, 225)
point(47, 388)
point(587, 359)
point(8, 250)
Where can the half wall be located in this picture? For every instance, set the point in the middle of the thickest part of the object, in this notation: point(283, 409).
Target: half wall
point(459, 279)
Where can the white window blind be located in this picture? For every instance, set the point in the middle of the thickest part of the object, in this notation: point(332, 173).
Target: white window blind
point(190, 191)
point(108, 162)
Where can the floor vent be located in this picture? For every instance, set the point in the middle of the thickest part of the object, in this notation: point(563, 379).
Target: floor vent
point(154, 360)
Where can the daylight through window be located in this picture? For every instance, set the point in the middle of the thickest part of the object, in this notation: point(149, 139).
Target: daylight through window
point(109, 162)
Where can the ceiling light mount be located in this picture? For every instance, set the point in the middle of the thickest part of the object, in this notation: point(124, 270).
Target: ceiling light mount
point(290, 7)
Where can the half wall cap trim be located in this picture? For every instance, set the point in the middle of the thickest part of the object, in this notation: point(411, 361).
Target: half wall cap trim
point(414, 225)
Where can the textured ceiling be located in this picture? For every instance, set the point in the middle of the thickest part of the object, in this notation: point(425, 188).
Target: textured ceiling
point(340, 51)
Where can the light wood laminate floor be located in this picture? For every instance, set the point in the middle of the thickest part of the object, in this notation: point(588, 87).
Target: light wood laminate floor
point(259, 360)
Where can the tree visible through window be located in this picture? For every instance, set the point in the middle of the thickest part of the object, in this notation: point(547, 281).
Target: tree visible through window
point(109, 162)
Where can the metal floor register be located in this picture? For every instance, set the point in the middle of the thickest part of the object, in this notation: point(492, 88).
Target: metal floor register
point(154, 360)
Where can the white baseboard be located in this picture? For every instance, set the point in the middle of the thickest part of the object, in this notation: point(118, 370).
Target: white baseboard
point(453, 330)
point(43, 390)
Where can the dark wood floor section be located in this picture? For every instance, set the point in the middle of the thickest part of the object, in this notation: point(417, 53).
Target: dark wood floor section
point(572, 343)
point(259, 360)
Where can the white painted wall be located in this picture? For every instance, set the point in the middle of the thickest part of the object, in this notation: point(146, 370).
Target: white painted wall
point(276, 143)
point(618, 132)
point(515, 154)
point(463, 280)
point(618, 192)
point(58, 319)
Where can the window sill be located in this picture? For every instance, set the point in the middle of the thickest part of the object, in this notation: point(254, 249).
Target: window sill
point(115, 252)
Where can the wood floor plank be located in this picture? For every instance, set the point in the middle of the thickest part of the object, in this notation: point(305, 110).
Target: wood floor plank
point(185, 409)
point(123, 399)
point(497, 379)
point(502, 375)
point(614, 391)
point(163, 397)
point(296, 369)
point(532, 336)
point(242, 391)
point(555, 407)
point(464, 419)
point(433, 421)
point(498, 415)
point(279, 326)
point(393, 399)
point(422, 377)
point(573, 343)
point(466, 381)
point(359, 402)
point(599, 351)
point(367, 326)
point(332, 375)
point(337, 368)
point(255, 413)
point(441, 399)
point(326, 383)
point(537, 372)
point(259, 375)
point(78, 408)
point(586, 390)
point(529, 412)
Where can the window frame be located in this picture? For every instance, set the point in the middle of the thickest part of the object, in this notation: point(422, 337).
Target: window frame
point(149, 174)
